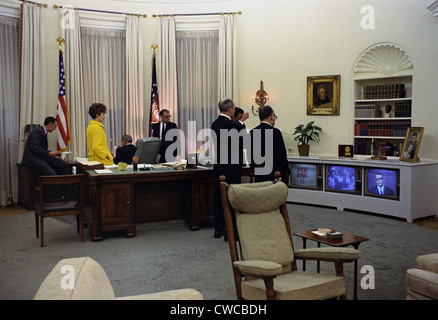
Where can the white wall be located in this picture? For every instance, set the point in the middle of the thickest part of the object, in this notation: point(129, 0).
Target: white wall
point(282, 42)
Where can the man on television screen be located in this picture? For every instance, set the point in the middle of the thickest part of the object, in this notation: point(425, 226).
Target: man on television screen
point(380, 188)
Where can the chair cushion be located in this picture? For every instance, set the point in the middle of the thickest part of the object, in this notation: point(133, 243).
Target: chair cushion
point(421, 284)
point(297, 285)
point(90, 282)
point(428, 262)
point(257, 197)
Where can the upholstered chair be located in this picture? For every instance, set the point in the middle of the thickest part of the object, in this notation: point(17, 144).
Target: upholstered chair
point(84, 278)
point(147, 149)
point(422, 282)
point(265, 266)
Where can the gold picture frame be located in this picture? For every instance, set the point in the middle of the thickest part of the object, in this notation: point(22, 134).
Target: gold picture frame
point(411, 146)
point(317, 103)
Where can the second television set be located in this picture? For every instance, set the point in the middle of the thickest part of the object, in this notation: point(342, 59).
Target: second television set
point(343, 179)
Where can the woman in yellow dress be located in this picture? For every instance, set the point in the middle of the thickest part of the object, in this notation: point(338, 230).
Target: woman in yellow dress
point(96, 137)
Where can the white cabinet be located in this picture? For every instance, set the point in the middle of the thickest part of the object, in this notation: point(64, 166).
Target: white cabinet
point(416, 187)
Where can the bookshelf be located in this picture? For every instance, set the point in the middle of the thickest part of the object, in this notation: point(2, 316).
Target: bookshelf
point(382, 114)
point(382, 99)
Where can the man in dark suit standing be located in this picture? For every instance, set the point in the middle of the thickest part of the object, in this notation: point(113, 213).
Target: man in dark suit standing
point(230, 166)
point(159, 131)
point(268, 149)
point(36, 154)
point(126, 151)
point(239, 117)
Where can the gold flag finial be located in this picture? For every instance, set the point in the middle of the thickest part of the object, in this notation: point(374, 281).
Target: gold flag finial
point(60, 41)
point(154, 47)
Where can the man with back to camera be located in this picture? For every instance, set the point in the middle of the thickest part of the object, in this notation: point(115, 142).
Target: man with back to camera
point(380, 188)
point(36, 154)
point(226, 167)
point(259, 144)
point(160, 128)
point(126, 151)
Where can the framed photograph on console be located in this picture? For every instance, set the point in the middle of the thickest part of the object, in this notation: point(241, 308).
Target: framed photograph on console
point(411, 146)
point(323, 94)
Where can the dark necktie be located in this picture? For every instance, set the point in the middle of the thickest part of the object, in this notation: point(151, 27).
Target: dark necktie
point(162, 132)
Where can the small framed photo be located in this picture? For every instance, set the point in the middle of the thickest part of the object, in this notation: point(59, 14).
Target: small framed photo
point(323, 95)
point(411, 146)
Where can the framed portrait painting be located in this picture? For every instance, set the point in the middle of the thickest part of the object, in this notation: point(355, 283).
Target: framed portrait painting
point(411, 145)
point(323, 94)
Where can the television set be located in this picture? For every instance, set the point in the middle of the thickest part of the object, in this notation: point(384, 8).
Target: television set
point(306, 176)
point(344, 179)
point(382, 183)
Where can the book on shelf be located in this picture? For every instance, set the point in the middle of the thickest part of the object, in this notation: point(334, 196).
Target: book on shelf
point(384, 91)
point(382, 128)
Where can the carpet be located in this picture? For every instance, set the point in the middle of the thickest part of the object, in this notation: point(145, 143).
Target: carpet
point(172, 257)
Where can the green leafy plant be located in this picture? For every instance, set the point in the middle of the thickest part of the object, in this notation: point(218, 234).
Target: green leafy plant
point(306, 133)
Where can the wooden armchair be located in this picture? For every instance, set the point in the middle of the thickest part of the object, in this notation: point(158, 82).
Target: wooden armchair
point(60, 195)
point(265, 265)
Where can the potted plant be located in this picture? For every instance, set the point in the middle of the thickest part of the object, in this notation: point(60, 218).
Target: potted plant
point(304, 134)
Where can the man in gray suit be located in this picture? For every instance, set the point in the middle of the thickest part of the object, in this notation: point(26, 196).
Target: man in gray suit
point(36, 154)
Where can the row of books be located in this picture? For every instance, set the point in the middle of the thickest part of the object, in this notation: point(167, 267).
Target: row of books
point(403, 109)
point(366, 147)
point(382, 128)
point(384, 91)
point(367, 111)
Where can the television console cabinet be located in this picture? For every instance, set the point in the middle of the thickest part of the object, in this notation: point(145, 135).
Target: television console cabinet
point(418, 187)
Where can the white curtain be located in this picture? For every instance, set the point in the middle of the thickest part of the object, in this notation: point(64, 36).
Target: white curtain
point(104, 77)
point(9, 103)
point(135, 115)
point(33, 69)
point(71, 32)
point(227, 58)
point(166, 67)
point(197, 82)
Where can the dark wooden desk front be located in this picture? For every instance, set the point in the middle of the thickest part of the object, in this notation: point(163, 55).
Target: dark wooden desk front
point(120, 200)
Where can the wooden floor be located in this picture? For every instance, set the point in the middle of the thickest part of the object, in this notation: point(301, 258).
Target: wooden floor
point(430, 222)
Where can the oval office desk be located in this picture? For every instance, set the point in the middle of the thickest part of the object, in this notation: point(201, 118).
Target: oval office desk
point(121, 199)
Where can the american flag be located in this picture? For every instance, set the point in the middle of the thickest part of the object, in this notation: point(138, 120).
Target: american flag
point(62, 112)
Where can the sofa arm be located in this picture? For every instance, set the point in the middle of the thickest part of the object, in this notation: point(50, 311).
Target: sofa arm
point(328, 254)
point(421, 284)
point(258, 268)
point(181, 294)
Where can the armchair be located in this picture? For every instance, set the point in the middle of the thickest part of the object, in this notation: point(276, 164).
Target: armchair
point(265, 265)
point(422, 282)
point(84, 278)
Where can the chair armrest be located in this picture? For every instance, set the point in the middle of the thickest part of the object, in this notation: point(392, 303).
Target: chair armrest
point(328, 254)
point(258, 268)
point(182, 294)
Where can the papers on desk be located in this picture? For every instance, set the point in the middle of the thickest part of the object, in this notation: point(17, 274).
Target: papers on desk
point(86, 162)
point(103, 171)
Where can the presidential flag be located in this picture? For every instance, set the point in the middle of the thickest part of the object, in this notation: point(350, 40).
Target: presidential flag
point(154, 114)
point(62, 111)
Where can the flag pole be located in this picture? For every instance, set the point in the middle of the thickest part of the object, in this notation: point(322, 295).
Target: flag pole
point(62, 107)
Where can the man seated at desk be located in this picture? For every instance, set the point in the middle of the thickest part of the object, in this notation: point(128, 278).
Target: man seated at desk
point(126, 151)
point(36, 154)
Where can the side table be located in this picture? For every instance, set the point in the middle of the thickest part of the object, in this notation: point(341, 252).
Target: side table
point(346, 240)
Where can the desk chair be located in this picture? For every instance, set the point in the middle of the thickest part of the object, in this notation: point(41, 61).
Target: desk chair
point(60, 195)
point(265, 265)
point(147, 149)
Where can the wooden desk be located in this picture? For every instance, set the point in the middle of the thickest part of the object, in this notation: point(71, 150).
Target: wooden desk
point(347, 239)
point(123, 198)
